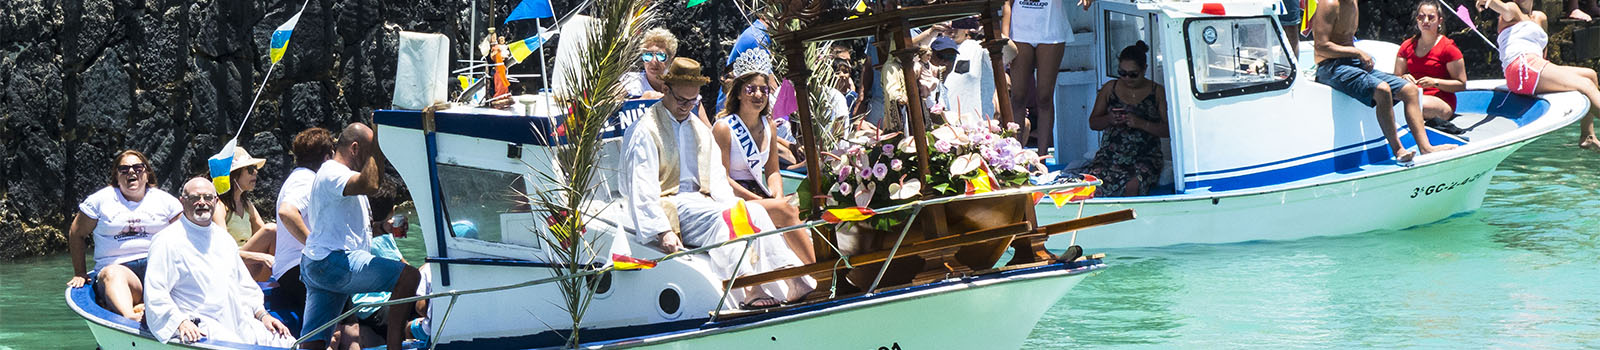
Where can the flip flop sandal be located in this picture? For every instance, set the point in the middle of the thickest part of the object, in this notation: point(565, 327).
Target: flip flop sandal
point(760, 303)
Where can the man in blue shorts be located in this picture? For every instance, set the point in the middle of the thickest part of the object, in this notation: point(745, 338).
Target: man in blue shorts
point(1349, 70)
point(1290, 19)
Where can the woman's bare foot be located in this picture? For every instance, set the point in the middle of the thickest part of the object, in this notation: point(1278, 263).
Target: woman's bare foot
point(1580, 16)
point(1590, 143)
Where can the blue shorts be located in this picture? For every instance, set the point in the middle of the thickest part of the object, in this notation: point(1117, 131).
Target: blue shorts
point(331, 281)
point(1346, 75)
point(138, 266)
point(1291, 13)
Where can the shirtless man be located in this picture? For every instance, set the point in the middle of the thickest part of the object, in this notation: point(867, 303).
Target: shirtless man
point(1349, 70)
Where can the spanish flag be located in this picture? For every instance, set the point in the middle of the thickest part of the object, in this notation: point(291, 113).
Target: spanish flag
point(980, 184)
point(738, 220)
point(626, 263)
point(834, 216)
point(220, 165)
point(1308, 8)
point(1076, 194)
point(280, 36)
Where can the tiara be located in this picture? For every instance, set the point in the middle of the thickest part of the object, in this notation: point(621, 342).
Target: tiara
point(753, 60)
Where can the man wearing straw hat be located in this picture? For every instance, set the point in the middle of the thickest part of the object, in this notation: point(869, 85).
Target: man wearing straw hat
point(678, 192)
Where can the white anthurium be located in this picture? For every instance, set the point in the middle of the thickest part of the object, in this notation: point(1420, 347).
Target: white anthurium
point(906, 145)
point(908, 189)
point(966, 164)
point(864, 195)
point(951, 134)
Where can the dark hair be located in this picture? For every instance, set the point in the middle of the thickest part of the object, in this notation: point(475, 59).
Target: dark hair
point(311, 147)
point(734, 101)
point(149, 169)
point(227, 197)
point(1138, 53)
point(1417, 33)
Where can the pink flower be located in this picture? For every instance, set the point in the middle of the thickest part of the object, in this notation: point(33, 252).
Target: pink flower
point(879, 171)
point(888, 149)
point(943, 146)
point(844, 173)
point(895, 164)
point(844, 187)
point(1013, 127)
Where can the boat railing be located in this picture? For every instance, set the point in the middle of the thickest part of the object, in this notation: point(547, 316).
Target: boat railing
point(844, 259)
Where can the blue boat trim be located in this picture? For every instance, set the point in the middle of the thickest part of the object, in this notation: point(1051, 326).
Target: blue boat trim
point(498, 262)
point(1336, 164)
point(83, 299)
point(439, 215)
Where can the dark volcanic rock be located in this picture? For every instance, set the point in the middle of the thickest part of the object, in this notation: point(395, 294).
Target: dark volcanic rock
point(161, 47)
point(89, 25)
point(30, 20)
point(105, 96)
point(34, 187)
point(217, 94)
point(34, 92)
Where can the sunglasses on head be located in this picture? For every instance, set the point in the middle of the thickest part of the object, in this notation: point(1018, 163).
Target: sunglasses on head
point(751, 89)
point(205, 197)
point(1128, 73)
point(653, 57)
point(131, 168)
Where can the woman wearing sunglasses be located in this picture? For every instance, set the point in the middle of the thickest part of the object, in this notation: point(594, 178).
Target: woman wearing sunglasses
point(745, 134)
point(1433, 62)
point(255, 237)
point(1131, 114)
point(659, 47)
point(121, 218)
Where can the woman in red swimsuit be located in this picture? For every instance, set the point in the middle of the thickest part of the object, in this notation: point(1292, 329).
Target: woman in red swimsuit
point(1432, 61)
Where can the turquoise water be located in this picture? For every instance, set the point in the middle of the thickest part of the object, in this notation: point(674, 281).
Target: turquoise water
point(1518, 273)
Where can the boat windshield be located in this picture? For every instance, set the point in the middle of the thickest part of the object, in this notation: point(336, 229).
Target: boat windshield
point(477, 199)
point(1236, 56)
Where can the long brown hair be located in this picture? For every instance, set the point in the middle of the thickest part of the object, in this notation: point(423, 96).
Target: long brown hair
point(735, 99)
point(244, 196)
point(1416, 34)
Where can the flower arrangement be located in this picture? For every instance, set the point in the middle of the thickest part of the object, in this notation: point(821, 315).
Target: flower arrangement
point(873, 169)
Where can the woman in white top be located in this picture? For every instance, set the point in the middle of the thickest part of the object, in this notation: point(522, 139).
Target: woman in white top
point(1040, 31)
point(256, 238)
point(744, 133)
point(1522, 42)
point(121, 217)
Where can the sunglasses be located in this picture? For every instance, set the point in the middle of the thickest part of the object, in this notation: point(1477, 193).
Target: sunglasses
point(1128, 73)
point(752, 89)
point(131, 168)
point(1427, 17)
point(653, 57)
point(685, 101)
point(207, 197)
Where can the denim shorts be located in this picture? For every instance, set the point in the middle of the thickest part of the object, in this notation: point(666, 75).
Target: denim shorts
point(138, 266)
point(1346, 75)
point(331, 281)
point(1291, 13)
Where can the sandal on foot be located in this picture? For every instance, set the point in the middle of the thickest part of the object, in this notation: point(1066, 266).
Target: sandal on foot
point(1445, 126)
point(760, 303)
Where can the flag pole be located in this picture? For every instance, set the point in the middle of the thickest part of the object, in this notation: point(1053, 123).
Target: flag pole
point(253, 101)
point(1470, 25)
point(544, 72)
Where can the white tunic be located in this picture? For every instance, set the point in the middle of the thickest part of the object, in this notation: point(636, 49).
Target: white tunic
point(122, 227)
point(195, 274)
point(296, 192)
point(1523, 38)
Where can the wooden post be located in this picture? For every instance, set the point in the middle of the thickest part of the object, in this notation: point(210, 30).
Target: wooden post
point(993, 42)
point(907, 54)
point(799, 74)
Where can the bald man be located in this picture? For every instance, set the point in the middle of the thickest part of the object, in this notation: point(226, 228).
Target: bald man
point(337, 261)
point(197, 287)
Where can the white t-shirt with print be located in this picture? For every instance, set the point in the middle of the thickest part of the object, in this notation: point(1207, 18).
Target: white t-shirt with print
point(296, 192)
point(123, 228)
point(339, 222)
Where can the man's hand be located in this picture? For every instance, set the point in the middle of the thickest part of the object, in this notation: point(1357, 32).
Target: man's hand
point(188, 332)
point(1366, 61)
point(77, 281)
point(651, 95)
point(275, 326)
point(1085, 4)
point(670, 242)
point(1409, 78)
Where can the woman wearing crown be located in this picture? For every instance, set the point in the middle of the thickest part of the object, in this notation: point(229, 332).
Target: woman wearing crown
point(744, 131)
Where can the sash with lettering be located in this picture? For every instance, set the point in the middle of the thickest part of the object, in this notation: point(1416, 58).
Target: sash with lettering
point(754, 158)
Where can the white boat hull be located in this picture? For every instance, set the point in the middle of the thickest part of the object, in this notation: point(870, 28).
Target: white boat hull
point(985, 314)
point(1394, 200)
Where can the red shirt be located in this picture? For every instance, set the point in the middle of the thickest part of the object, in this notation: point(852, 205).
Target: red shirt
point(1432, 65)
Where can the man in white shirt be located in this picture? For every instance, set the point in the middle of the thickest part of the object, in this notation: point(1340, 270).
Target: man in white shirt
point(337, 262)
point(678, 191)
point(197, 287)
point(311, 148)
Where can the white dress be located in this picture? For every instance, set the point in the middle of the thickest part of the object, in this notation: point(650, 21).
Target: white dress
point(1041, 21)
point(748, 161)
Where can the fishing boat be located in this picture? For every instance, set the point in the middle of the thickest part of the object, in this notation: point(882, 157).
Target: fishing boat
point(497, 267)
point(1260, 151)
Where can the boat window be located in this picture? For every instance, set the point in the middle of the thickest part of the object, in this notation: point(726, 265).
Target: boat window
point(1236, 56)
point(1122, 30)
point(474, 199)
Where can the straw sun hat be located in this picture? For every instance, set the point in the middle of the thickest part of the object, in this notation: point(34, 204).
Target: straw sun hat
point(243, 159)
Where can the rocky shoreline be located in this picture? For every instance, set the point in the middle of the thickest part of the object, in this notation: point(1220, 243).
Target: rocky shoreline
point(84, 79)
